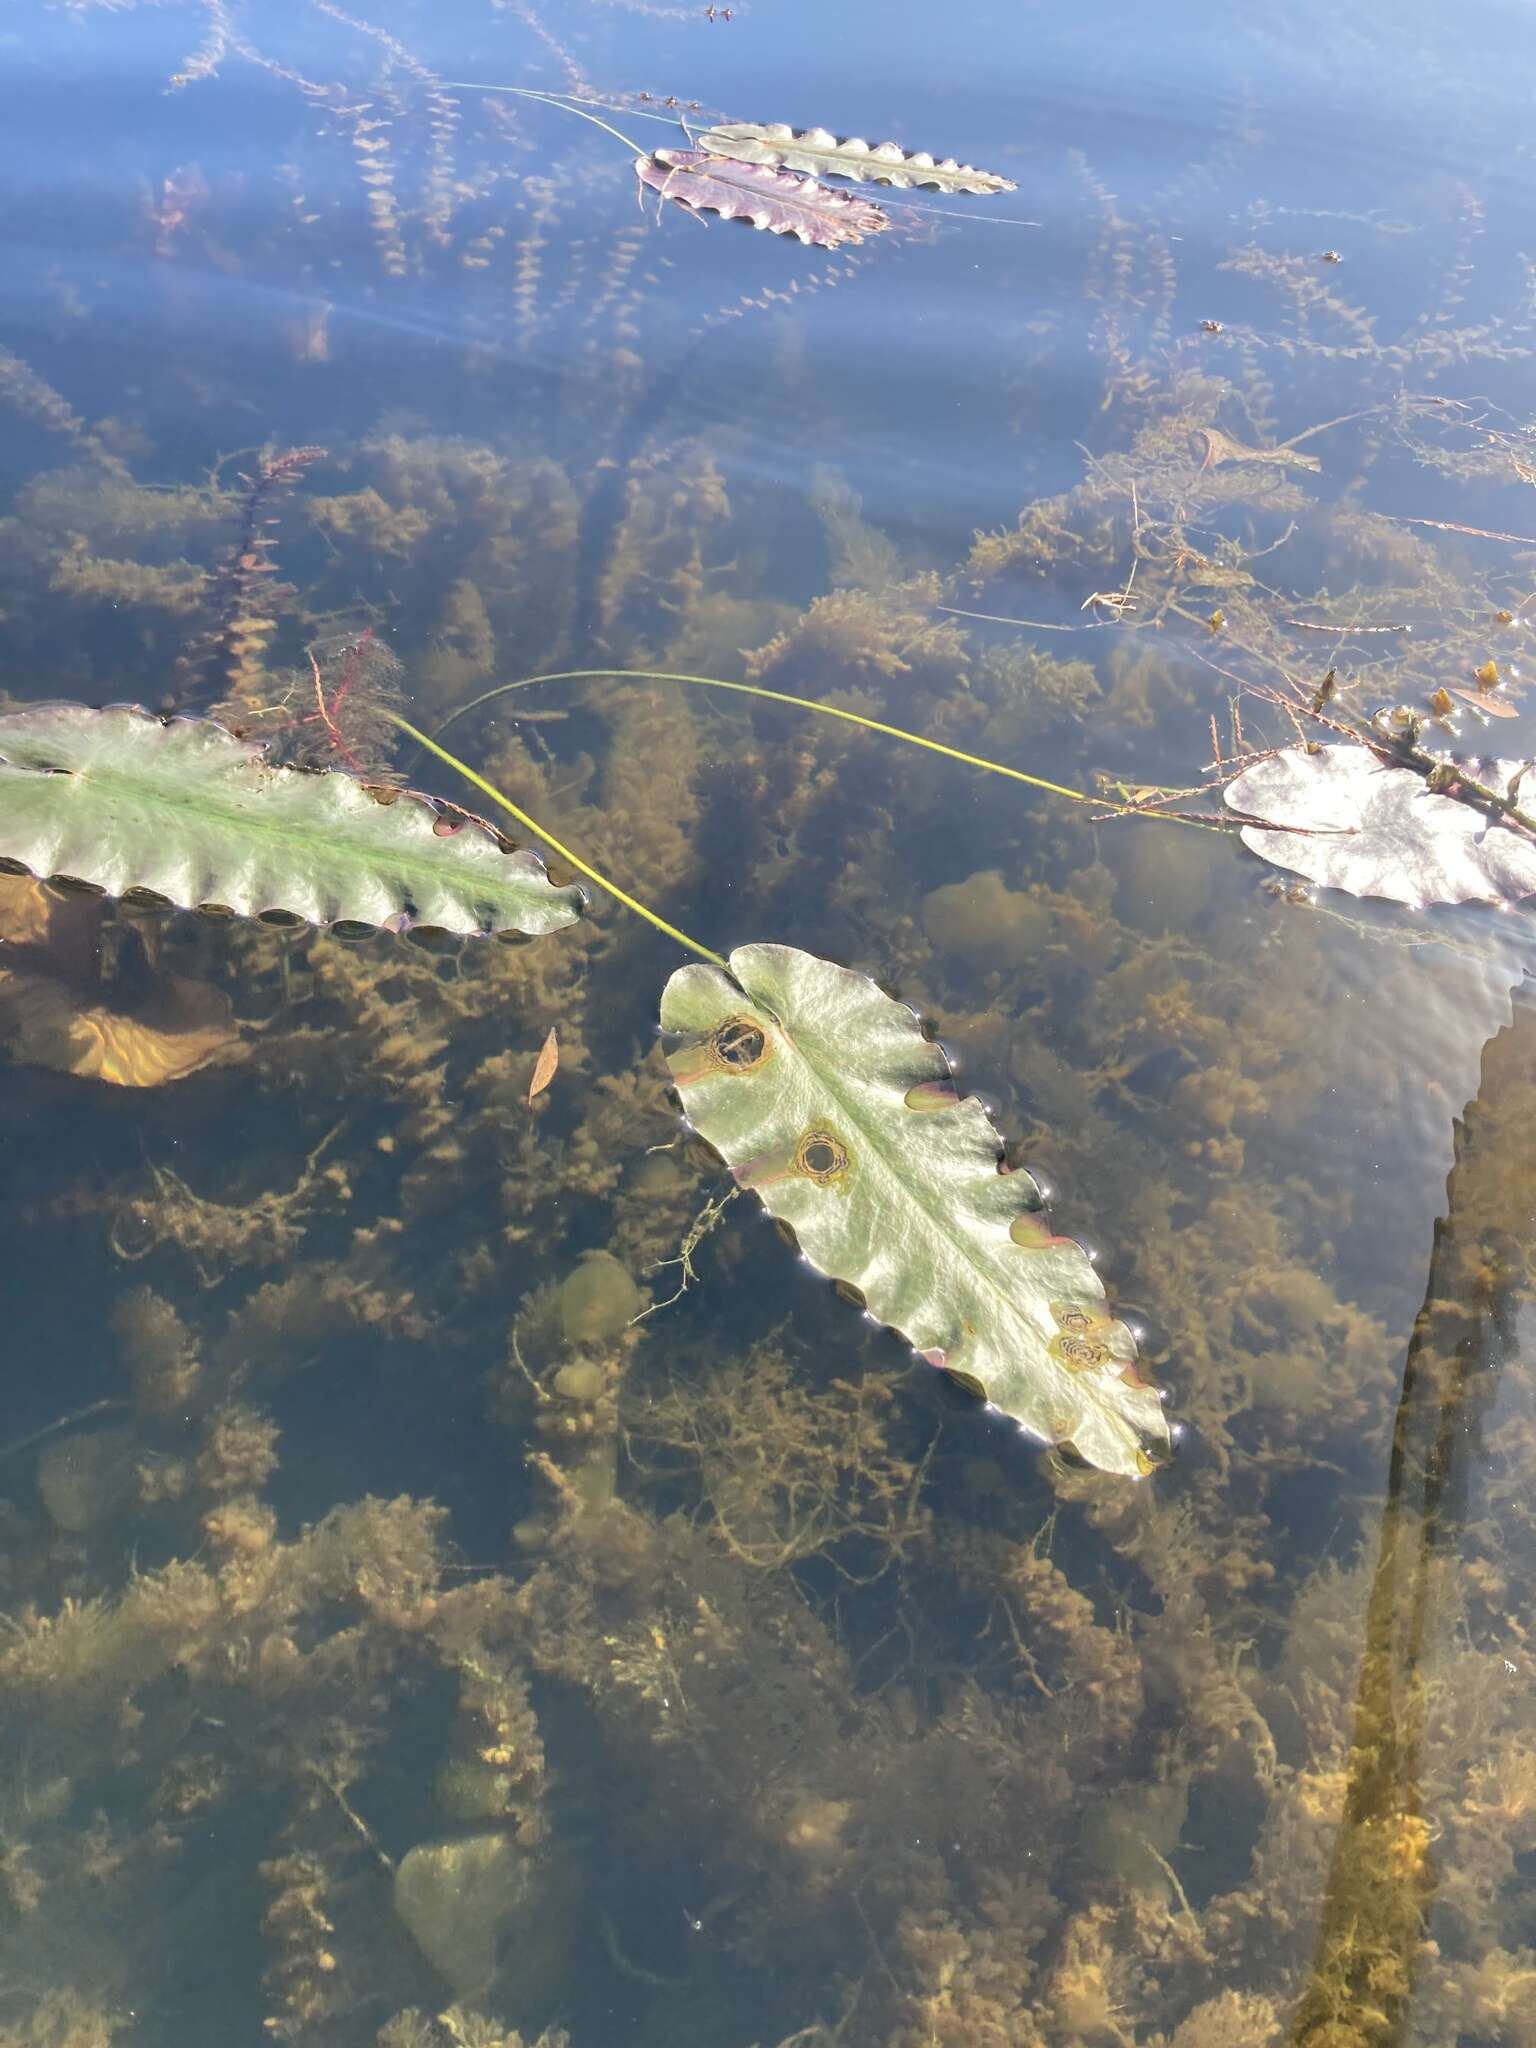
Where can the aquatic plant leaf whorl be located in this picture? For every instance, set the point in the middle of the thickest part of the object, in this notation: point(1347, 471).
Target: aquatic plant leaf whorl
point(182, 808)
point(823, 1096)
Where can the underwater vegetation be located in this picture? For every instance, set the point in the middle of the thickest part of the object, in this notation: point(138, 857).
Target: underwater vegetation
point(463, 1581)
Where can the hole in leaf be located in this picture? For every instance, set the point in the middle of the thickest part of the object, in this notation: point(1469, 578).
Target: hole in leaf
point(846, 1291)
point(738, 1044)
point(282, 920)
point(820, 1156)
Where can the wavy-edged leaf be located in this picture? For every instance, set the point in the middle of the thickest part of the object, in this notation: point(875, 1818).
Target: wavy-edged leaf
point(781, 201)
point(124, 800)
point(1374, 830)
point(829, 156)
point(823, 1096)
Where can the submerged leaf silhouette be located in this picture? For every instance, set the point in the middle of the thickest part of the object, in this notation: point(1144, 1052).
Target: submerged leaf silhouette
point(1353, 822)
point(183, 1028)
point(822, 153)
point(1210, 446)
point(824, 1097)
point(779, 200)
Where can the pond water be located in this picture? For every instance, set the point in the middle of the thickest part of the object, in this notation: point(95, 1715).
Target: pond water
point(408, 1641)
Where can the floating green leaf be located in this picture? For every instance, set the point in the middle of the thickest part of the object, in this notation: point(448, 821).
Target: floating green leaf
point(182, 808)
point(826, 156)
point(1349, 820)
point(823, 1096)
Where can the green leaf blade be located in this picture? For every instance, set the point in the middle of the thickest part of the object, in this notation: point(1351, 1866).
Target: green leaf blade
point(124, 800)
point(822, 1095)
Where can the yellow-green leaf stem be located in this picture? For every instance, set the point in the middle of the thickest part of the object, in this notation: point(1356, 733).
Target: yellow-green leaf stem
point(532, 825)
point(895, 732)
point(549, 99)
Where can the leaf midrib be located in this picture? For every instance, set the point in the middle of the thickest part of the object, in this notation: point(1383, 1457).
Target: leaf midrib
point(991, 1285)
point(155, 791)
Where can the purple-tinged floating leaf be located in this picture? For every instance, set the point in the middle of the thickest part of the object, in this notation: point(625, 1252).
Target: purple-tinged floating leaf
point(826, 156)
point(1354, 823)
point(778, 200)
point(823, 1096)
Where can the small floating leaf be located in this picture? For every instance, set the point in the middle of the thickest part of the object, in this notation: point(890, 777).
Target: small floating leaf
point(124, 800)
point(1480, 700)
point(778, 200)
point(1375, 830)
point(826, 156)
point(822, 1095)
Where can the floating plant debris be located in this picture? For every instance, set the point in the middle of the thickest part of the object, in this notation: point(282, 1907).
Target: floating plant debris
point(823, 1096)
point(123, 800)
point(827, 156)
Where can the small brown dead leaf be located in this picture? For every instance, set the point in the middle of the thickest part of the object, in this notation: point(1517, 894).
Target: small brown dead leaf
point(544, 1067)
point(1491, 707)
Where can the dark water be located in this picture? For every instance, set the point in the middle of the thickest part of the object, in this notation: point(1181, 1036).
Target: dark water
point(402, 1644)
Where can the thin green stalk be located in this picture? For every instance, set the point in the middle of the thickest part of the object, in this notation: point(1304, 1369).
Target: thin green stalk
point(895, 732)
point(532, 825)
point(548, 99)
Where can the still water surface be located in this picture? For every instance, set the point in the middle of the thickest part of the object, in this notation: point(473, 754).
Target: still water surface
point(402, 1643)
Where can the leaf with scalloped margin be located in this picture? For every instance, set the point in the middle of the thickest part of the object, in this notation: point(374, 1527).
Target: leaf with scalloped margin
point(764, 196)
point(124, 800)
point(823, 1096)
point(826, 155)
point(1374, 830)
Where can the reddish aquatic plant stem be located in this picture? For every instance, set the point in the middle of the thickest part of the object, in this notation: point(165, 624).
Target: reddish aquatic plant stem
point(326, 716)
